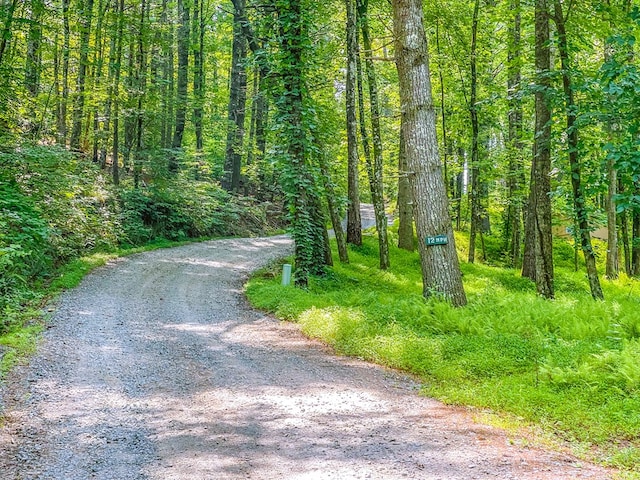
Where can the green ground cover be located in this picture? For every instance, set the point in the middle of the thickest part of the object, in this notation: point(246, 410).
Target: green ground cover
point(570, 366)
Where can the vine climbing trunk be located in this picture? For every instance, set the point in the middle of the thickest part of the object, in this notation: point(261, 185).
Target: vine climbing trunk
point(298, 181)
point(440, 267)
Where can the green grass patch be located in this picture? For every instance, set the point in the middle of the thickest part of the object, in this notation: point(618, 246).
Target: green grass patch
point(570, 366)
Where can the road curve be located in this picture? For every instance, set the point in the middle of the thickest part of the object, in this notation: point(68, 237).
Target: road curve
point(156, 368)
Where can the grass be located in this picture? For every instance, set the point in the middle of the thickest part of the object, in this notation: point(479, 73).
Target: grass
point(570, 367)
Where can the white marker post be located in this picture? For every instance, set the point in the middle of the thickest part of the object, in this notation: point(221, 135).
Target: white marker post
point(286, 274)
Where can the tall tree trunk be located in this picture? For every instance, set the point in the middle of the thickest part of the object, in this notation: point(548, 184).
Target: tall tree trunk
point(86, 16)
point(612, 262)
point(56, 85)
point(334, 213)
point(168, 83)
point(298, 182)
point(624, 234)
point(237, 102)
point(459, 187)
point(374, 169)
point(33, 59)
point(354, 222)
point(579, 200)
point(115, 169)
point(252, 121)
point(6, 30)
point(198, 71)
point(538, 236)
point(443, 114)
point(635, 241)
point(98, 63)
point(516, 176)
point(183, 79)
point(440, 268)
point(108, 108)
point(62, 116)
point(141, 85)
point(129, 120)
point(405, 198)
point(475, 160)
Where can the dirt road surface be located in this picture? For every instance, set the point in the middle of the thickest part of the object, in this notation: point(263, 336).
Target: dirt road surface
point(156, 368)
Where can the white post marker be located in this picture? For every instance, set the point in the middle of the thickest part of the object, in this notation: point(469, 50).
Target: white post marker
point(286, 274)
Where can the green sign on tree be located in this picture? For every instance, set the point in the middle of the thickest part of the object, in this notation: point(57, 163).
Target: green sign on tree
point(437, 240)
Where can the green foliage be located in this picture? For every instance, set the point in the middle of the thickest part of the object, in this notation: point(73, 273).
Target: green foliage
point(571, 365)
point(179, 210)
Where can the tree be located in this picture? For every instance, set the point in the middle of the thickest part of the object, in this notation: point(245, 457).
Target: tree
point(538, 261)
point(374, 168)
point(475, 153)
point(86, 15)
point(405, 198)
point(299, 182)
point(237, 101)
point(183, 76)
point(354, 226)
point(579, 200)
point(440, 268)
point(515, 173)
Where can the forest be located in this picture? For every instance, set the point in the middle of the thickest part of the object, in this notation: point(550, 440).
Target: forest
point(501, 136)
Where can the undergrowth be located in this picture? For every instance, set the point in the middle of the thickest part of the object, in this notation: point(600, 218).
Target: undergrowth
point(571, 366)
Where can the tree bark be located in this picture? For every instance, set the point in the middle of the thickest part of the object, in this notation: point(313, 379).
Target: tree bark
point(538, 237)
point(86, 15)
point(624, 234)
point(98, 63)
point(405, 198)
point(183, 78)
point(440, 268)
point(6, 31)
point(116, 95)
point(198, 71)
point(33, 58)
point(516, 176)
point(141, 86)
point(354, 222)
point(237, 102)
point(635, 242)
point(579, 200)
point(374, 169)
point(62, 116)
point(334, 214)
point(298, 181)
point(475, 157)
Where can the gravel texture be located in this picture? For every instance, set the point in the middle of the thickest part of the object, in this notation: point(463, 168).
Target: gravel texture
point(156, 368)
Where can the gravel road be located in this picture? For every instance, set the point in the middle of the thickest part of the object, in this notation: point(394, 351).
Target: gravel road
point(156, 368)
